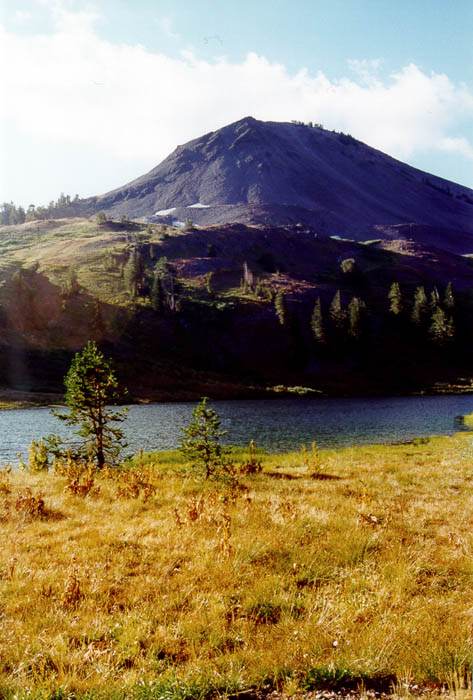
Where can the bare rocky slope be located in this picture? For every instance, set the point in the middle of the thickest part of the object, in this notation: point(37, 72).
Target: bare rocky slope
point(274, 174)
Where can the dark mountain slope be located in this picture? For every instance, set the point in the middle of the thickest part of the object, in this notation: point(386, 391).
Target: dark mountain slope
point(283, 173)
point(204, 315)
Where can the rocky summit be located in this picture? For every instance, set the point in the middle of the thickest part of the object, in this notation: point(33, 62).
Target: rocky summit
point(280, 174)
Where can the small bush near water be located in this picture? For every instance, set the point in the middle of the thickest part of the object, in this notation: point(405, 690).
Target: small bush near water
point(151, 584)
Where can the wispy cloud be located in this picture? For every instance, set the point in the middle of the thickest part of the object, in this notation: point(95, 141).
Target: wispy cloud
point(366, 69)
point(72, 86)
point(22, 16)
point(166, 26)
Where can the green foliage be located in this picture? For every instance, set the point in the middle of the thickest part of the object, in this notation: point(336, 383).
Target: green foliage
point(348, 266)
point(395, 299)
point(252, 465)
point(133, 273)
point(11, 214)
point(355, 311)
point(434, 299)
point(201, 445)
point(165, 291)
point(208, 283)
point(420, 308)
point(449, 299)
point(91, 385)
point(71, 285)
point(38, 456)
point(280, 307)
point(101, 217)
point(337, 313)
point(331, 676)
point(248, 280)
point(157, 295)
point(317, 323)
point(442, 328)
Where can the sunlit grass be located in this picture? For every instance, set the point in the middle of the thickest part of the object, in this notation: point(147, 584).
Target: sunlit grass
point(345, 566)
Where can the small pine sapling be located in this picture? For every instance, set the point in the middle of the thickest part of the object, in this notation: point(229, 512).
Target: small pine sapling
point(201, 445)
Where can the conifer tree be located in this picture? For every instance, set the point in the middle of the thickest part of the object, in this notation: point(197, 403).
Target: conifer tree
point(202, 447)
point(317, 323)
point(133, 273)
point(337, 313)
point(395, 299)
point(280, 307)
point(168, 283)
point(355, 309)
point(156, 293)
point(248, 279)
point(450, 335)
point(91, 385)
point(434, 299)
point(420, 308)
point(449, 299)
point(442, 328)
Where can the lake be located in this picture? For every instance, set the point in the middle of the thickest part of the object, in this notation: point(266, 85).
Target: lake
point(278, 425)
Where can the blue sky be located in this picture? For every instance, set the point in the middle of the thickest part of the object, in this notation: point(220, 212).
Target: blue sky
point(101, 91)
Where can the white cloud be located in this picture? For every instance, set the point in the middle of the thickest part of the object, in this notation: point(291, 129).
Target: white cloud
point(22, 16)
point(366, 69)
point(457, 145)
point(73, 87)
point(166, 26)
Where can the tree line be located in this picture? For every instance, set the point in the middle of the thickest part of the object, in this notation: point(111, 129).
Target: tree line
point(433, 318)
point(12, 214)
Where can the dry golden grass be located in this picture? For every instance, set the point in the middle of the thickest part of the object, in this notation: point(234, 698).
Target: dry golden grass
point(353, 565)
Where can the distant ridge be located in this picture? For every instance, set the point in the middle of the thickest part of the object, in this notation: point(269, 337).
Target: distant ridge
point(272, 173)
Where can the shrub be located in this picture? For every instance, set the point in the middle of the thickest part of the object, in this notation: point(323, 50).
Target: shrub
point(201, 445)
point(38, 456)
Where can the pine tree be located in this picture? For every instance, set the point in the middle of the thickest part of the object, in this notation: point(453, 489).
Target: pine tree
point(449, 299)
point(450, 335)
point(208, 283)
point(317, 323)
point(168, 282)
point(248, 279)
point(91, 385)
point(157, 296)
point(337, 313)
point(434, 299)
point(133, 273)
point(355, 310)
point(441, 328)
point(280, 307)
point(420, 308)
point(202, 447)
point(395, 299)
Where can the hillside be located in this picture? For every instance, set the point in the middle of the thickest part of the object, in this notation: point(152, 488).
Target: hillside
point(280, 174)
point(228, 311)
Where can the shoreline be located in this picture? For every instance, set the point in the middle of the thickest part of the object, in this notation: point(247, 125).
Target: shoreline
point(17, 399)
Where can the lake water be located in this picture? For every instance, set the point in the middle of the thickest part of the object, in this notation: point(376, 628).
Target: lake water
point(278, 425)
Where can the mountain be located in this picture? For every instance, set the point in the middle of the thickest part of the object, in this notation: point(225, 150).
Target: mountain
point(314, 261)
point(279, 174)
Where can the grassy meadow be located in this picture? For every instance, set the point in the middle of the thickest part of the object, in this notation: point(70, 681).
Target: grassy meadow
point(349, 567)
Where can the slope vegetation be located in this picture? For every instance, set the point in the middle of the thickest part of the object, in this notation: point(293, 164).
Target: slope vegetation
point(232, 310)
